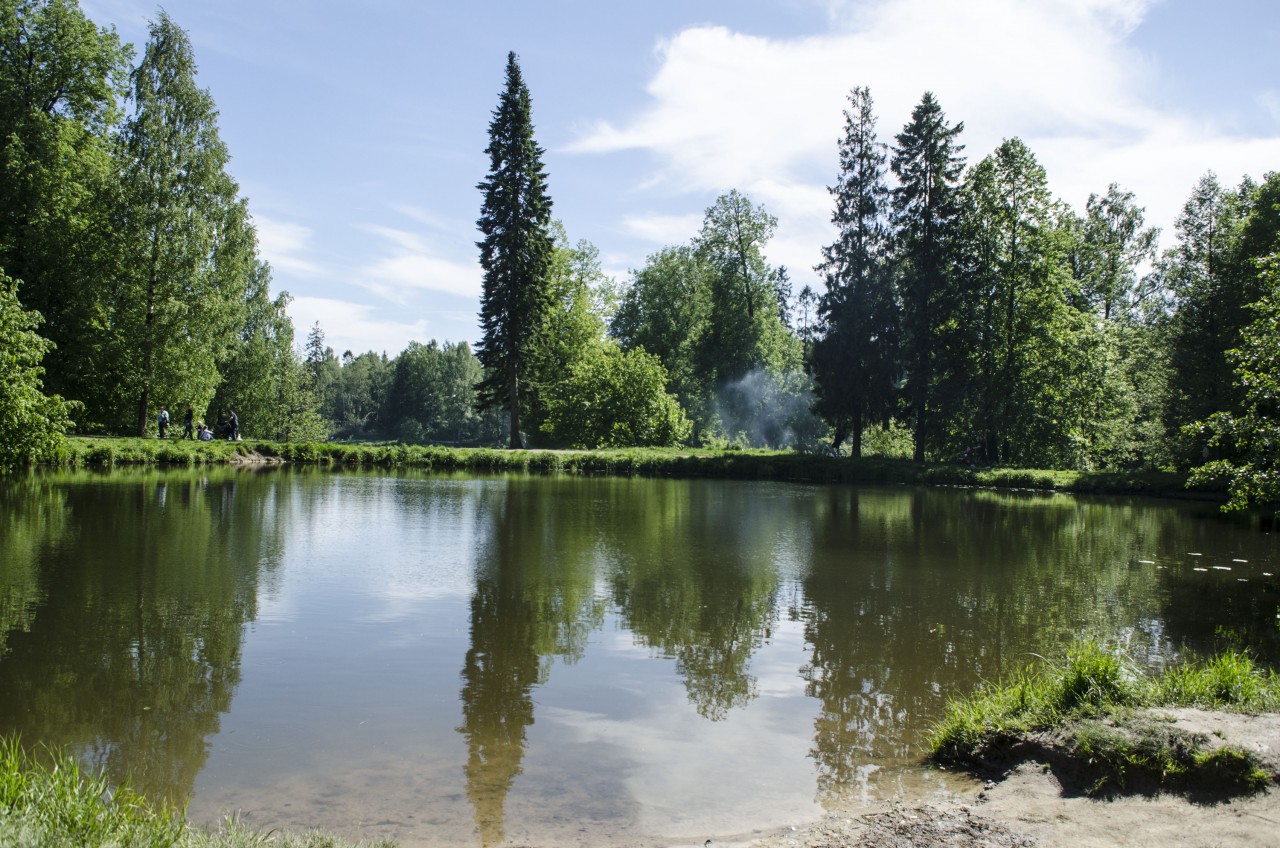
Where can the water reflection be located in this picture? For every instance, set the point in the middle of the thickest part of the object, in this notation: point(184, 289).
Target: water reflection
point(522, 648)
point(128, 651)
point(532, 601)
point(694, 579)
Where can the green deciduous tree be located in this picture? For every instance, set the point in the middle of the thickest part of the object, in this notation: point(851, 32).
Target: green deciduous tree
point(60, 77)
point(1114, 243)
point(615, 398)
point(1014, 312)
point(743, 330)
point(577, 318)
point(854, 360)
point(710, 312)
point(189, 246)
point(262, 377)
point(1251, 437)
point(515, 252)
point(664, 311)
point(926, 160)
point(31, 423)
point(360, 392)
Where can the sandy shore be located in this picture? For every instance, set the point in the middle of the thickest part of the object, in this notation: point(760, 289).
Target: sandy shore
point(1030, 806)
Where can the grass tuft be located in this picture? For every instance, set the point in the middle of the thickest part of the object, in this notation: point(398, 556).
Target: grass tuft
point(52, 803)
point(1086, 705)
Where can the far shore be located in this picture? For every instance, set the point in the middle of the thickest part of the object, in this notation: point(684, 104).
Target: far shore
point(730, 463)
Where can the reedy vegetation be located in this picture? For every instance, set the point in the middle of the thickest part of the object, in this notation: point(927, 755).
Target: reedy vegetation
point(963, 303)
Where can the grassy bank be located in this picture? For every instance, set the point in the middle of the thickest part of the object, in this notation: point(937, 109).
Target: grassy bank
point(1098, 721)
point(86, 452)
point(52, 803)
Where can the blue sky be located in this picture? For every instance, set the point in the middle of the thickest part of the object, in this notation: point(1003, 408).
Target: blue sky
point(357, 130)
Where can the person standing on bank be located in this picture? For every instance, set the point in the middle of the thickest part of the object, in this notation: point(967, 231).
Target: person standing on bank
point(233, 426)
point(162, 422)
point(188, 424)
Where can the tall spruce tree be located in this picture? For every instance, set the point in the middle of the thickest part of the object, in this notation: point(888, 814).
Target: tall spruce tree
point(928, 165)
point(854, 363)
point(515, 253)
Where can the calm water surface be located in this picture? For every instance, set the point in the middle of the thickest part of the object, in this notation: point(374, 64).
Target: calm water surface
point(477, 661)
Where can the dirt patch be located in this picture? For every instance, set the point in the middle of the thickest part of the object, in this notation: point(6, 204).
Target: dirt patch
point(1030, 806)
point(252, 457)
point(901, 826)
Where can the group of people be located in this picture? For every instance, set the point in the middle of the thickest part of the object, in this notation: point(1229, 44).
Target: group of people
point(229, 427)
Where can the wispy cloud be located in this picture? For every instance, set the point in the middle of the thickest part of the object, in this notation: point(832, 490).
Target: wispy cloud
point(663, 229)
point(412, 264)
point(728, 110)
point(285, 245)
point(348, 325)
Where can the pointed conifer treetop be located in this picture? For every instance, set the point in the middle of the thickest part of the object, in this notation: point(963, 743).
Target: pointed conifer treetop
point(861, 200)
point(515, 251)
point(925, 214)
point(853, 363)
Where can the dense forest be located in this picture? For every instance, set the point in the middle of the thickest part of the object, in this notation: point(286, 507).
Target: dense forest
point(965, 313)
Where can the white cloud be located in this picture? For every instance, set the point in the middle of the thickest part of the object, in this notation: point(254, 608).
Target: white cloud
point(413, 265)
point(349, 326)
point(663, 229)
point(728, 110)
point(284, 245)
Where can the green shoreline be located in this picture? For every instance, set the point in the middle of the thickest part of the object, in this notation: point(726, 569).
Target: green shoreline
point(783, 466)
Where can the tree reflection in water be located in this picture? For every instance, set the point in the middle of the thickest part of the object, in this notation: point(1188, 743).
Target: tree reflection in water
point(133, 659)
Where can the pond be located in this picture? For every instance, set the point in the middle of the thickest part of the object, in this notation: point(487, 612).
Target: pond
point(474, 661)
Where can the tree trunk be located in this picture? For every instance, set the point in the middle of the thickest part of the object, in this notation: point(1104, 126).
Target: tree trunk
point(513, 402)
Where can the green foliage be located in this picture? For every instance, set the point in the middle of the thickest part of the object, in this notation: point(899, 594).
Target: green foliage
point(60, 805)
point(1013, 390)
point(709, 311)
point(743, 330)
point(358, 394)
point(582, 302)
point(1215, 277)
point(1251, 439)
point(60, 77)
point(50, 801)
point(1088, 700)
point(663, 312)
point(515, 253)
point(262, 378)
point(614, 398)
point(925, 212)
point(31, 424)
point(189, 248)
point(432, 396)
point(854, 360)
point(1121, 756)
point(1113, 243)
